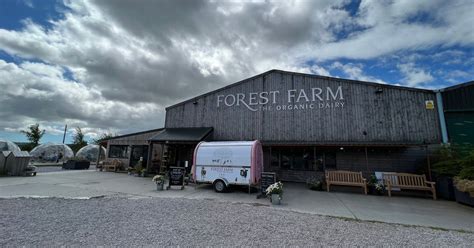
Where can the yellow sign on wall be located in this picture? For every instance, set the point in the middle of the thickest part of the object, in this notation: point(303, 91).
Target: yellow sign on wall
point(429, 104)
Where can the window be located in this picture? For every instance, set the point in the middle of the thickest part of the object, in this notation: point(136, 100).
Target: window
point(303, 158)
point(275, 158)
point(296, 158)
point(118, 151)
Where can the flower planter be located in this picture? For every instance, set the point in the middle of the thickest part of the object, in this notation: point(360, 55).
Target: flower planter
point(76, 165)
point(275, 199)
point(160, 186)
point(373, 191)
point(445, 188)
point(463, 197)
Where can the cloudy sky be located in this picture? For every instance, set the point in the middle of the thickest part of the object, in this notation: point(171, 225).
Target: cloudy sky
point(113, 66)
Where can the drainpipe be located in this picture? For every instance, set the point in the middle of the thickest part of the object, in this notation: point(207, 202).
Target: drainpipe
point(442, 120)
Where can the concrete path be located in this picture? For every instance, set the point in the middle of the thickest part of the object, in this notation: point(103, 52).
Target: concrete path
point(397, 209)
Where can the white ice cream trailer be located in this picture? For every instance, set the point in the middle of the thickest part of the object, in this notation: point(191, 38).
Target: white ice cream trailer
point(225, 163)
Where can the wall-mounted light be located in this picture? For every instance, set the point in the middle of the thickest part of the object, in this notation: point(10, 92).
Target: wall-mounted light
point(379, 90)
point(195, 102)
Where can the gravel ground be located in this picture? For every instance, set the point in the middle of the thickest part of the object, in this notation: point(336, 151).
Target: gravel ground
point(184, 222)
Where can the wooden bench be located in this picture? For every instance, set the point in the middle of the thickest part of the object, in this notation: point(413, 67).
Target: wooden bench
point(408, 181)
point(346, 178)
point(113, 165)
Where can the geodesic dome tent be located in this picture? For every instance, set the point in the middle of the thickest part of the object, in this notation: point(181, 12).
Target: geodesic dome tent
point(90, 153)
point(6, 145)
point(51, 152)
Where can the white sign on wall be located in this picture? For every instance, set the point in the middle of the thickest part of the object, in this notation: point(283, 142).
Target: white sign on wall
point(293, 99)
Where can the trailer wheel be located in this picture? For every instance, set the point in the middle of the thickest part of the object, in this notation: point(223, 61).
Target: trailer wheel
point(219, 186)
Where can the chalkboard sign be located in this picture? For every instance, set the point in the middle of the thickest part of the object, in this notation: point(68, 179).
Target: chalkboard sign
point(176, 175)
point(268, 178)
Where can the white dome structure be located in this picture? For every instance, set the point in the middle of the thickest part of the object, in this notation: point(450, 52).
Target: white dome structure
point(51, 152)
point(90, 153)
point(6, 145)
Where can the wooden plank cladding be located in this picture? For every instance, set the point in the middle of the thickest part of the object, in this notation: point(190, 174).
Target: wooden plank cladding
point(291, 108)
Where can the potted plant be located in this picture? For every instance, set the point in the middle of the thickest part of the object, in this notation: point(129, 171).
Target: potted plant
point(130, 171)
point(160, 182)
point(379, 188)
point(275, 191)
point(375, 186)
point(464, 182)
point(138, 169)
point(464, 191)
point(143, 172)
point(446, 167)
point(314, 184)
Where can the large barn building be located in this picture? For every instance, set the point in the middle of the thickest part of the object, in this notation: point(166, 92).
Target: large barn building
point(310, 123)
point(306, 123)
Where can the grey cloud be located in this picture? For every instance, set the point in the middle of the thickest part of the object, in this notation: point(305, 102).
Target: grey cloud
point(130, 59)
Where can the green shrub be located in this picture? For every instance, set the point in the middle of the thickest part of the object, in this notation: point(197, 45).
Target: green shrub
point(447, 161)
point(314, 183)
point(372, 180)
point(454, 160)
point(467, 167)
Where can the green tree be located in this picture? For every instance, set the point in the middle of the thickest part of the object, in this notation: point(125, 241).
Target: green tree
point(78, 140)
point(34, 135)
point(103, 136)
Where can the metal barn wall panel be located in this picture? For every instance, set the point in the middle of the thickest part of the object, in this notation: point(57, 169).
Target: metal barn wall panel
point(461, 127)
point(459, 97)
point(396, 115)
point(458, 104)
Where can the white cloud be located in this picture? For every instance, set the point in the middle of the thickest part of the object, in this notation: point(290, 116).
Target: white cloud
point(28, 3)
point(414, 76)
point(319, 70)
point(387, 28)
point(128, 61)
point(355, 71)
point(30, 96)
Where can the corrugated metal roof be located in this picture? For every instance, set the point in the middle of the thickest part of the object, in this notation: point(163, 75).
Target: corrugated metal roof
point(133, 134)
point(190, 134)
point(301, 74)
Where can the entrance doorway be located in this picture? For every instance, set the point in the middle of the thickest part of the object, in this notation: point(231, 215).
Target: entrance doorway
point(136, 153)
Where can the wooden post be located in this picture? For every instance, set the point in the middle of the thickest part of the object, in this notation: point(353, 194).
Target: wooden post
point(315, 162)
point(270, 165)
point(162, 158)
point(150, 152)
point(428, 162)
point(98, 157)
point(366, 159)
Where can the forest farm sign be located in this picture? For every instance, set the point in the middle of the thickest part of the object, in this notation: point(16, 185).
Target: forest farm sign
point(290, 100)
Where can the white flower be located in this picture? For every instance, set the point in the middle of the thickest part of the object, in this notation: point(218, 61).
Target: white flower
point(276, 188)
point(158, 179)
